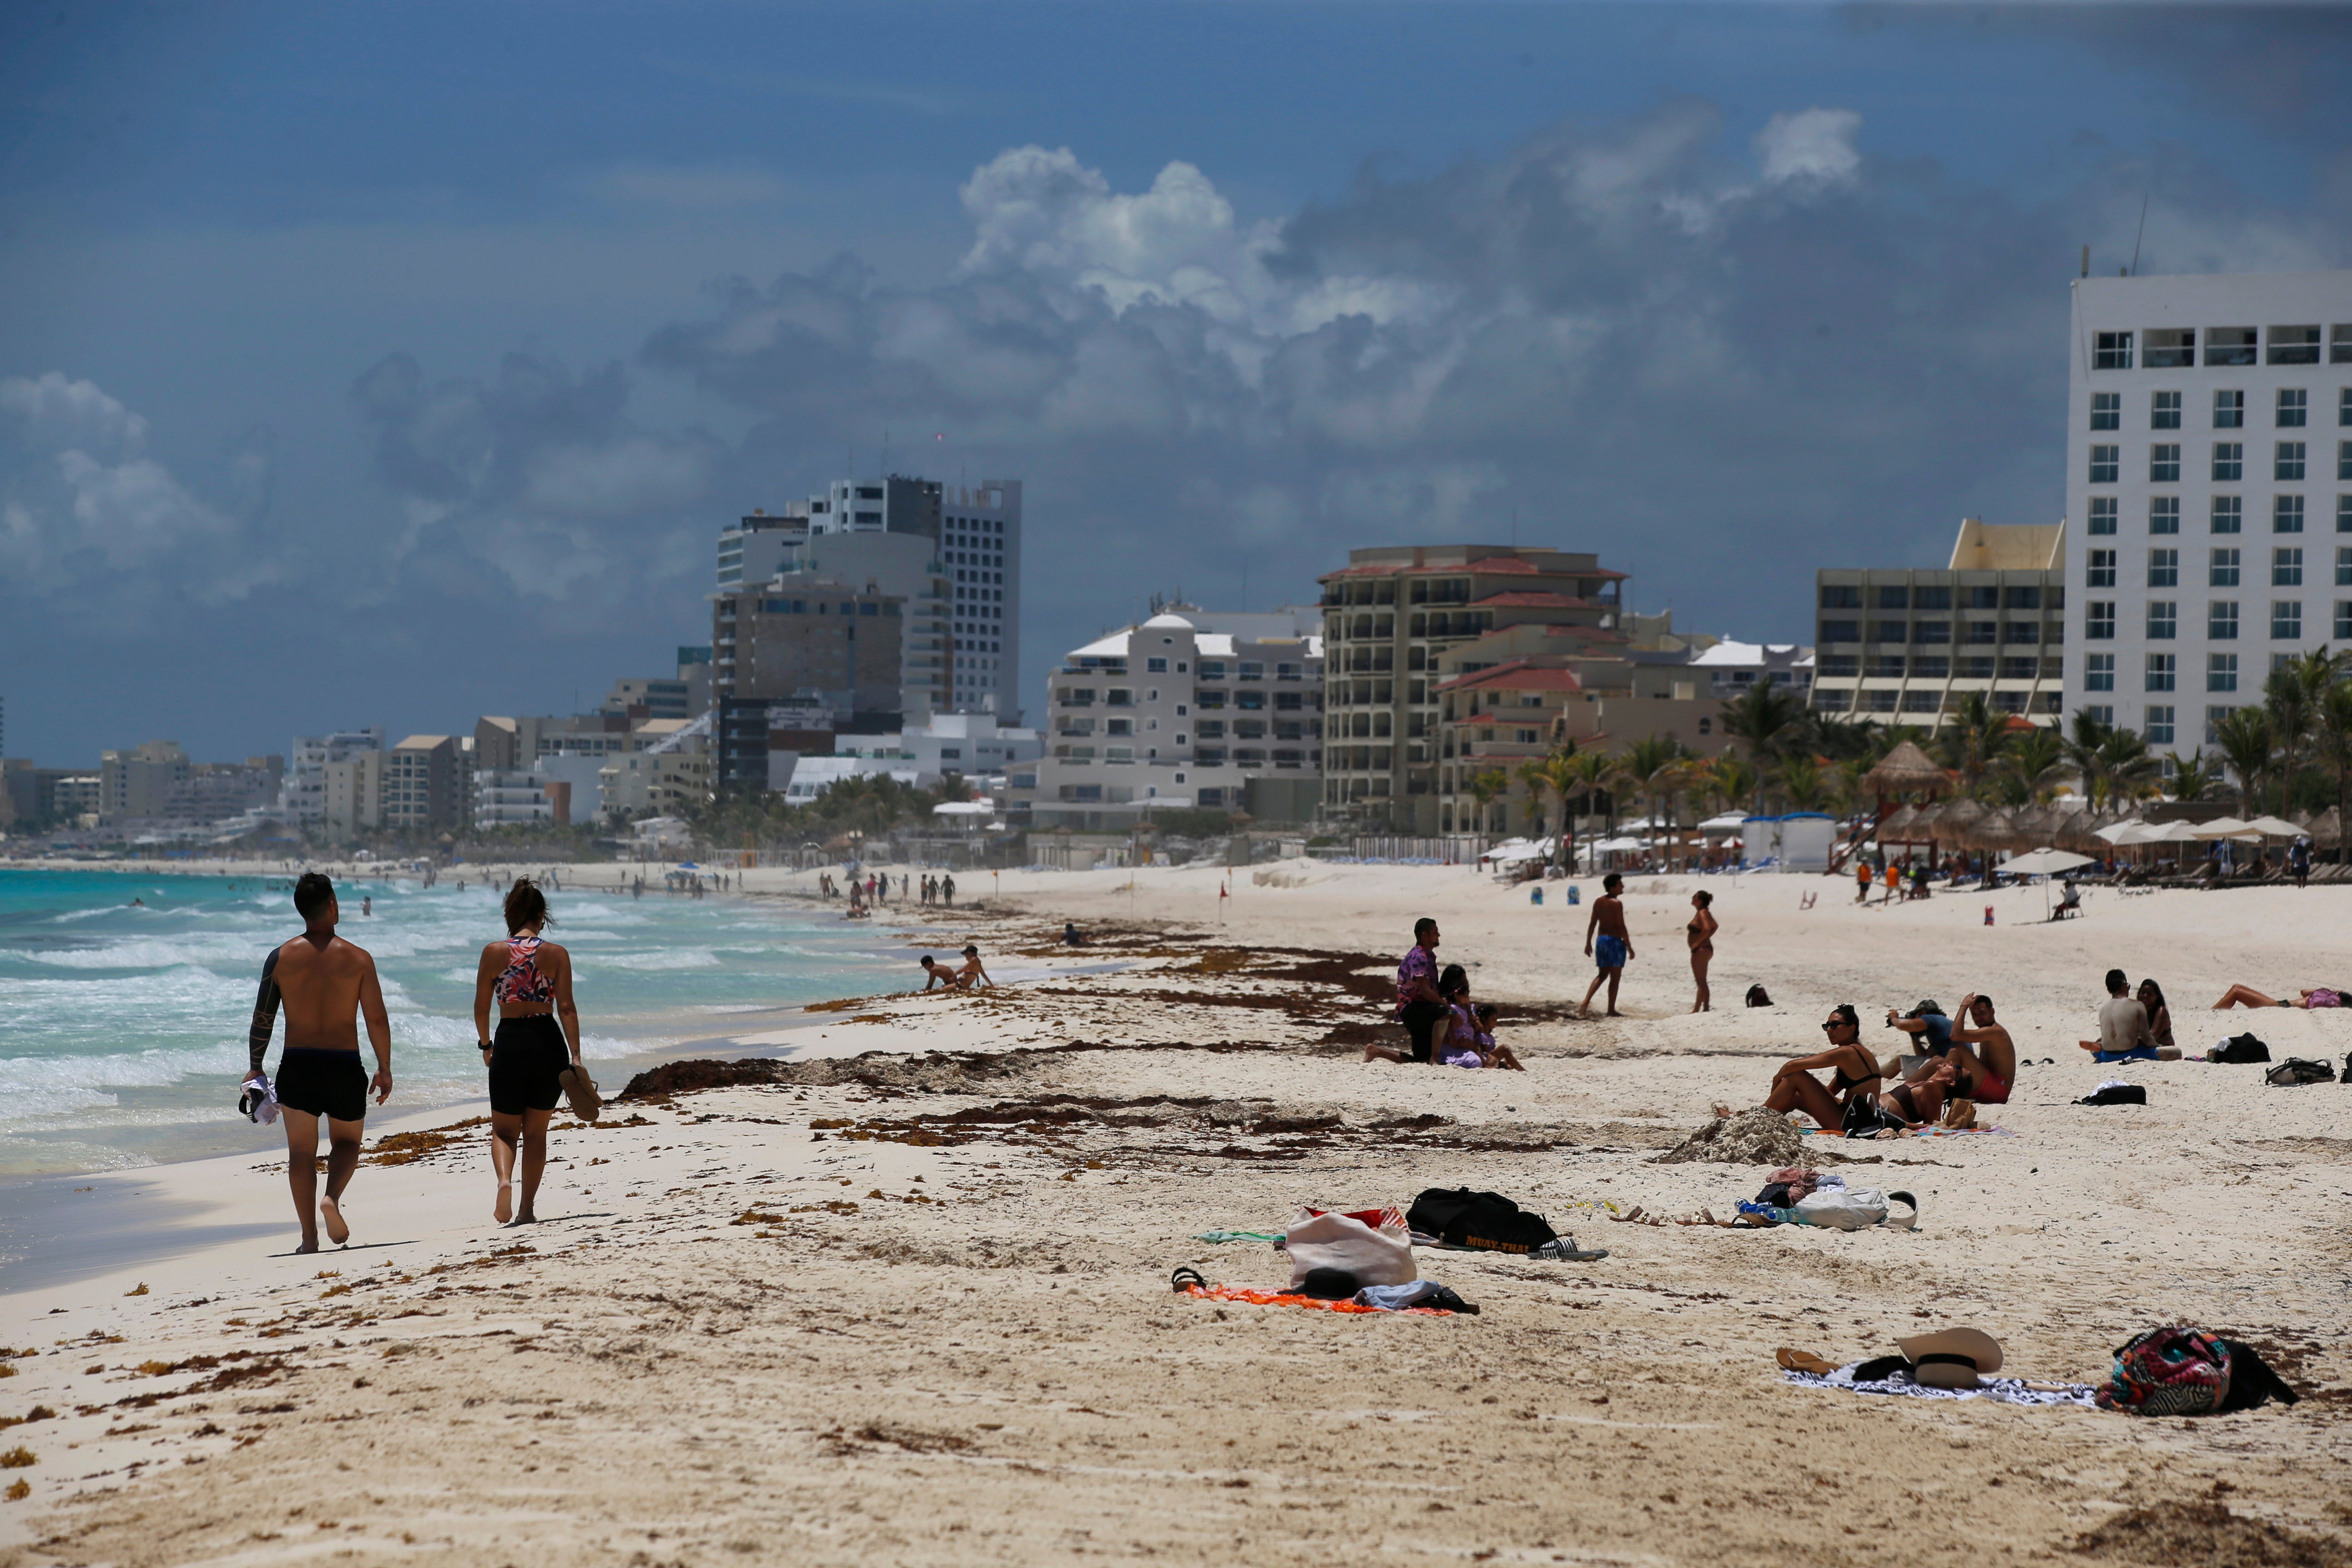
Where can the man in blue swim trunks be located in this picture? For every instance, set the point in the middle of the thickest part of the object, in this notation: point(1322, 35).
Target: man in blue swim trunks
point(1606, 942)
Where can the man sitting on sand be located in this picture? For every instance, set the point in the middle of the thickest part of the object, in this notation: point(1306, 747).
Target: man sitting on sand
point(324, 982)
point(1613, 947)
point(2124, 1034)
point(1920, 1098)
point(1987, 1072)
point(1419, 1006)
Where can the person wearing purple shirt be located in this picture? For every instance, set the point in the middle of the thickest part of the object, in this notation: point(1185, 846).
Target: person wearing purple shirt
point(1418, 1005)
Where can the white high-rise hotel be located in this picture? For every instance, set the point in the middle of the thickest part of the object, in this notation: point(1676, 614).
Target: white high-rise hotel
point(2209, 482)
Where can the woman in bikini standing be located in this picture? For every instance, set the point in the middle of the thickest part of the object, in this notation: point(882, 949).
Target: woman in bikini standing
point(1854, 1073)
point(1701, 930)
point(532, 981)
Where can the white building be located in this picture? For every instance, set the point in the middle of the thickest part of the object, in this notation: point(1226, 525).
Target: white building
point(812, 776)
point(1185, 710)
point(2209, 478)
point(303, 795)
point(502, 798)
point(972, 744)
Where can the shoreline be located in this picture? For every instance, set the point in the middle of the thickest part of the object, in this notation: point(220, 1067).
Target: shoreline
point(913, 1306)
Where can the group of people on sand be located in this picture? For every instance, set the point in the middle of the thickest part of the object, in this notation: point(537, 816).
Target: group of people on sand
point(328, 985)
point(1446, 1026)
point(1968, 1058)
point(971, 977)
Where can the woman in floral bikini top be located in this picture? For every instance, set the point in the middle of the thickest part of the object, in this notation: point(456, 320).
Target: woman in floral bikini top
point(530, 978)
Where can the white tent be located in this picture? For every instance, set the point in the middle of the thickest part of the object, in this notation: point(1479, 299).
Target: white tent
point(1730, 822)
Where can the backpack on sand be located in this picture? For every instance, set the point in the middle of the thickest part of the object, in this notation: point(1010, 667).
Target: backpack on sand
point(1489, 1222)
point(2181, 1370)
point(2239, 1049)
point(2299, 1071)
point(1758, 996)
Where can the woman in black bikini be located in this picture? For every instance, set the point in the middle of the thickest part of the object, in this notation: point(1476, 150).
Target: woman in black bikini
point(1854, 1072)
point(532, 982)
point(1701, 930)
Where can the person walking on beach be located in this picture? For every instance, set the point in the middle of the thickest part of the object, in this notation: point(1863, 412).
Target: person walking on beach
point(324, 984)
point(1419, 1006)
point(1612, 946)
point(1701, 930)
point(530, 980)
point(947, 889)
point(2298, 861)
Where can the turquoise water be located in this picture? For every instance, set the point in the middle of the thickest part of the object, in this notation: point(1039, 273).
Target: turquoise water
point(122, 1028)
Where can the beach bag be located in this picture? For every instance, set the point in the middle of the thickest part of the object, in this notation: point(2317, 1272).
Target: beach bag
point(1486, 1221)
point(1375, 1255)
point(1842, 1208)
point(2239, 1049)
point(2116, 1094)
point(1758, 996)
point(1866, 1118)
point(2299, 1071)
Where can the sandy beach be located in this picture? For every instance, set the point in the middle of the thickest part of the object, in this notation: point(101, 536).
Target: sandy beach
point(903, 1296)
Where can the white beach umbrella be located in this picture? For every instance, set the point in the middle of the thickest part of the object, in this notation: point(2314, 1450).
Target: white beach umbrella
point(2121, 832)
point(2220, 827)
point(2044, 862)
point(2272, 827)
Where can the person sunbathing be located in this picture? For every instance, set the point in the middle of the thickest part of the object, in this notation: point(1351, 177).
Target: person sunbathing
point(1855, 1074)
point(2247, 996)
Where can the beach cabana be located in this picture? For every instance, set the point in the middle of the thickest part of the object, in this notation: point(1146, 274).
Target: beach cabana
point(1906, 770)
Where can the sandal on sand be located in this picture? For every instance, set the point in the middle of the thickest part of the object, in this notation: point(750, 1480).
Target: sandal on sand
point(580, 1089)
point(1183, 1279)
point(1803, 1361)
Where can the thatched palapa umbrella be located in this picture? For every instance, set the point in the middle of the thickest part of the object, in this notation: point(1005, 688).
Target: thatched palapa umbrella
point(1900, 827)
point(2327, 829)
point(1906, 770)
point(1994, 830)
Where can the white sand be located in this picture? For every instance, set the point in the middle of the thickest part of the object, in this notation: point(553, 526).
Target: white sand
point(1000, 1374)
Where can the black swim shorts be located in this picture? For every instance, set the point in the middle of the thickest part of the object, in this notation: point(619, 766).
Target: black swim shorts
point(323, 1083)
point(526, 1054)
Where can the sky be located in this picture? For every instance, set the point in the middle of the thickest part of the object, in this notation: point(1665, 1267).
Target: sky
point(394, 364)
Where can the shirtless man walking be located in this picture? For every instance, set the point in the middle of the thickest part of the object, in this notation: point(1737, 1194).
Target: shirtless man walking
point(323, 982)
point(1614, 944)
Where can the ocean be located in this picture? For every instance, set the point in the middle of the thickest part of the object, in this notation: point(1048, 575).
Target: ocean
point(122, 1024)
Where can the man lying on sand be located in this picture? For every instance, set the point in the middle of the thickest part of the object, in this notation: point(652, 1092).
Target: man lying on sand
point(323, 982)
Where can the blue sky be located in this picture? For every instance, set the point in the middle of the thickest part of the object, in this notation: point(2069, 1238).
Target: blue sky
point(412, 354)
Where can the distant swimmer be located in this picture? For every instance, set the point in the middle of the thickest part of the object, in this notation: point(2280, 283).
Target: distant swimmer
point(138, 903)
point(533, 1061)
point(324, 982)
point(367, 905)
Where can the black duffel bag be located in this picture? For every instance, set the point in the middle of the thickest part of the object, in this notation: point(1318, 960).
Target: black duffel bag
point(1486, 1221)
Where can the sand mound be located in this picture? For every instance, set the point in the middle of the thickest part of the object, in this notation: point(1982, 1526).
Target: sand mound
point(1753, 1137)
point(2207, 1535)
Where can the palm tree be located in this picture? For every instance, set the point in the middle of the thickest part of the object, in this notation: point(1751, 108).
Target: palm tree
point(1733, 780)
point(2089, 731)
point(2291, 696)
point(2131, 770)
point(2332, 740)
point(1972, 743)
point(1549, 782)
point(1648, 767)
point(1768, 717)
point(2033, 766)
point(1589, 773)
point(2244, 739)
point(1803, 782)
point(1483, 786)
point(2194, 778)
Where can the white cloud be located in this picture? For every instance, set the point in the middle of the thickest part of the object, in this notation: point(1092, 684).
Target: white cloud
point(1811, 145)
point(55, 415)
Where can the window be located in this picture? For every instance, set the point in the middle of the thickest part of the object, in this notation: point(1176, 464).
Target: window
point(1932, 598)
point(1840, 664)
point(2020, 669)
point(1928, 631)
point(1120, 727)
point(2099, 672)
point(1250, 671)
point(2221, 620)
point(1213, 669)
point(2286, 514)
point(2164, 407)
point(1928, 667)
point(2100, 712)
point(2158, 729)
point(2164, 514)
point(2164, 568)
point(1119, 697)
point(2293, 401)
point(2106, 411)
point(2164, 463)
point(2222, 570)
point(2214, 718)
point(2294, 345)
point(2287, 568)
point(2170, 348)
point(2343, 619)
point(2344, 514)
point(2286, 463)
point(1886, 665)
point(1982, 668)
point(2099, 620)
point(2229, 461)
point(1984, 596)
point(2344, 459)
point(2220, 672)
point(1834, 596)
point(2160, 671)
point(2227, 510)
point(2020, 631)
point(1210, 698)
point(2022, 598)
point(2339, 350)
point(2103, 514)
point(2113, 351)
point(2342, 568)
point(2286, 620)
point(1841, 631)
point(1894, 598)
point(2229, 410)
point(2229, 345)
point(2101, 571)
point(1155, 666)
point(1984, 631)
point(2106, 463)
point(2163, 618)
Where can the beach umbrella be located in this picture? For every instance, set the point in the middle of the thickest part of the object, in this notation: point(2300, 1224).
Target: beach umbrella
point(2272, 827)
point(2044, 862)
point(1994, 830)
point(2121, 832)
point(1955, 818)
point(2220, 827)
point(2327, 829)
point(2035, 824)
point(1905, 769)
point(1897, 827)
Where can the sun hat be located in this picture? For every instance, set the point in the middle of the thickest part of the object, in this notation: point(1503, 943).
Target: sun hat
point(1951, 1358)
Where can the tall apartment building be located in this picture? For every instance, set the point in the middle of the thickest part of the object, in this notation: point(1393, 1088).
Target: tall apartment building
point(351, 794)
point(302, 797)
point(426, 784)
point(804, 635)
point(2209, 478)
point(1189, 708)
point(145, 783)
point(1903, 646)
point(1393, 614)
point(953, 552)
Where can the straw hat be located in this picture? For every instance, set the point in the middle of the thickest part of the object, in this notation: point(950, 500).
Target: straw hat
point(1951, 1358)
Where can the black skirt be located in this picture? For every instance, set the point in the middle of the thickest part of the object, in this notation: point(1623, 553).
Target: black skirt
point(526, 1055)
